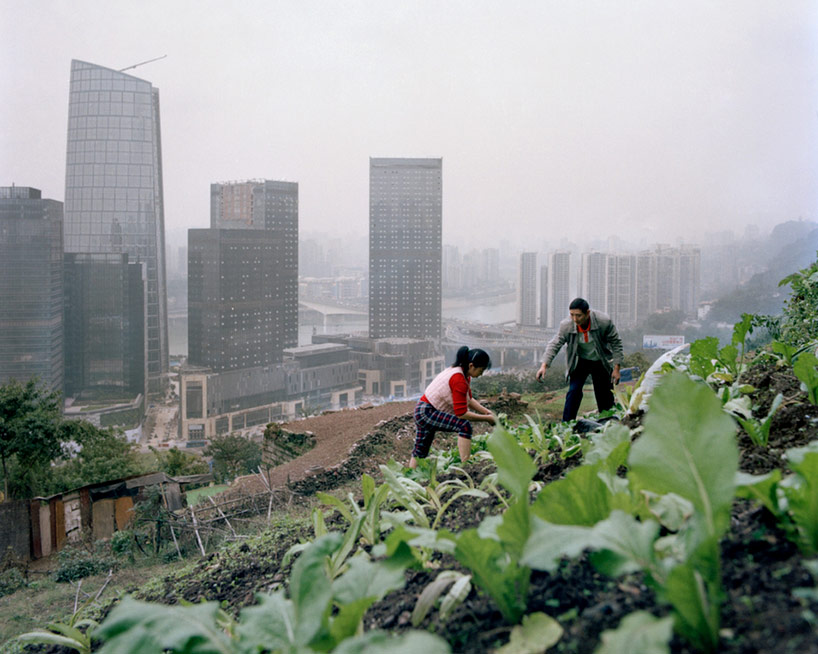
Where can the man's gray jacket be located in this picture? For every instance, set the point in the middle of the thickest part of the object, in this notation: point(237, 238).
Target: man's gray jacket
point(602, 333)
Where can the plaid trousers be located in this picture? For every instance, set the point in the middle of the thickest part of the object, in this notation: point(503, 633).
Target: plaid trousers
point(428, 421)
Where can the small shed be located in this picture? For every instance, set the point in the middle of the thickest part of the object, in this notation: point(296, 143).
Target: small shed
point(95, 510)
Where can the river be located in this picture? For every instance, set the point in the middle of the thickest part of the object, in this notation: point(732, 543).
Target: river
point(463, 309)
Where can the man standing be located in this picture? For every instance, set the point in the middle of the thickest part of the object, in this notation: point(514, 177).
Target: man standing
point(593, 348)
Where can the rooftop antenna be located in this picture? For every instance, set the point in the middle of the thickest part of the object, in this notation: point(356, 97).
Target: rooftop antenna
point(142, 63)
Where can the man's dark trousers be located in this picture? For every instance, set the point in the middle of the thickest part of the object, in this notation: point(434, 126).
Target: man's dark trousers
point(602, 387)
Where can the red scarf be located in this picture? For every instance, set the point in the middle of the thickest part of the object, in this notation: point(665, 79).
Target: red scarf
point(584, 331)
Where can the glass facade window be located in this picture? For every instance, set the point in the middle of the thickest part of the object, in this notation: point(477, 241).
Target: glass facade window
point(113, 192)
point(105, 326)
point(31, 287)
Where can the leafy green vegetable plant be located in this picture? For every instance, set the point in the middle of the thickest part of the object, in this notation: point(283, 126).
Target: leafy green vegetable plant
point(757, 429)
point(459, 587)
point(70, 635)
point(685, 457)
point(374, 497)
point(799, 325)
point(638, 632)
point(320, 615)
point(806, 369)
point(792, 499)
point(492, 552)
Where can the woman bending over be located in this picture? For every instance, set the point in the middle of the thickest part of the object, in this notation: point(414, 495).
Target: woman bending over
point(447, 405)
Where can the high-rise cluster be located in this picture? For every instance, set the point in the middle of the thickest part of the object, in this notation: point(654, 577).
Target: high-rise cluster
point(630, 287)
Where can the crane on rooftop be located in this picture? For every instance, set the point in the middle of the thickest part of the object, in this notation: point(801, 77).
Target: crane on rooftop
point(142, 63)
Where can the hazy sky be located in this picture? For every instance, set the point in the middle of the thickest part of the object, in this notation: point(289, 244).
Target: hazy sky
point(554, 118)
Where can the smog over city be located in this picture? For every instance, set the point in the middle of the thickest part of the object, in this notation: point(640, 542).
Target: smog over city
point(409, 326)
point(649, 121)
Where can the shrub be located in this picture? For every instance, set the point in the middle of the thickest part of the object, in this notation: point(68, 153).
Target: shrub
point(76, 563)
point(11, 580)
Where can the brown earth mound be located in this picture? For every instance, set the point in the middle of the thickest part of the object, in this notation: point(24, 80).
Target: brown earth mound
point(335, 434)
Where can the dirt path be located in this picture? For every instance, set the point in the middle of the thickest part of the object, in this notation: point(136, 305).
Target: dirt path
point(335, 433)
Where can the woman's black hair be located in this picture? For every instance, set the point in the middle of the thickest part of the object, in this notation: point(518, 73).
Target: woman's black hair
point(478, 357)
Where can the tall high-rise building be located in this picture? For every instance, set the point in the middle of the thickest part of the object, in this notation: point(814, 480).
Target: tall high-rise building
point(690, 259)
point(113, 187)
point(491, 266)
point(543, 295)
point(405, 245)
point(646, 285)
point(31, 287)
point(452, 270)
point(594, 280)
point(527, 289)
point(621, 289)
point(667, 279)
point(559, 287)
point(243, 280)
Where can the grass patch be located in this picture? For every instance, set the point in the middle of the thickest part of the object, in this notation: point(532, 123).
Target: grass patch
point(198, 494)
point(45, 600)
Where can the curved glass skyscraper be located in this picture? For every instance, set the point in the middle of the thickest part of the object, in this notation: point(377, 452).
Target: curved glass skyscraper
point(113, 188)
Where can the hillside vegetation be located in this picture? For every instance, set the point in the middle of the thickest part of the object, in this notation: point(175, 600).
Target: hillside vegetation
point(685, 522)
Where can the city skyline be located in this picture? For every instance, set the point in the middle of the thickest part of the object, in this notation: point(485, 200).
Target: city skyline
point(653, 119)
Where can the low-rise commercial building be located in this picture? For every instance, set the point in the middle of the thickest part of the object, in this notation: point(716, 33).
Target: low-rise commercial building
point(311, 378)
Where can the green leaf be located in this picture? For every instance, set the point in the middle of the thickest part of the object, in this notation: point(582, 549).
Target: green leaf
point(368, 487)
point(495, 572)
point(431, 593)
point(135, 627)
point(367, 579)
point(696, 606)
point(310, 589)
point(609, 446)
point(638, 632)
point(535, 635)
point(404, 497)
point(548, 543)
point(378, 642)
point(515, 528)
point(741, 328)
point(688, 447)
point(457, 595)
point(49, 638)
point(581, 498)
point(319, 526)
point(761, 488)
point(727, 357)
point(68, 631)
point(336, 503)
point(268, 624)
point(803, 496)
point(350, 540)
point(671, 510)
point(806, 369)
point(702, 354)
point(514, 467)
point(624, 545)
point(346, 622)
